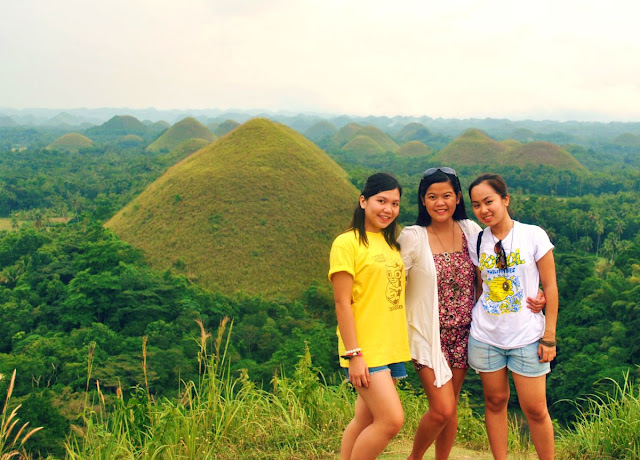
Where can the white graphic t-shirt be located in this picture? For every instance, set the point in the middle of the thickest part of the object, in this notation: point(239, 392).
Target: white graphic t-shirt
point(501, 316)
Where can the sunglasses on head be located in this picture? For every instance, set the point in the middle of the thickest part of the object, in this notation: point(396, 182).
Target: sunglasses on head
point(501, 257)
point(444, 169)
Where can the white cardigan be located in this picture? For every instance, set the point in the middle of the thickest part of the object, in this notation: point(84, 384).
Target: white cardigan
point(422, 297)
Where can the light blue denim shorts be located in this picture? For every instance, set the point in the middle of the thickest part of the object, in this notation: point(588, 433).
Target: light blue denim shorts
point(522, 361)
point(398, 370)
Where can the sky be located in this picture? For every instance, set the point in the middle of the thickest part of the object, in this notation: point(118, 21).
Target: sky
point(558, 60)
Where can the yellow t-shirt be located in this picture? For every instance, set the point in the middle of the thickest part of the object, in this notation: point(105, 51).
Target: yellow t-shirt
point(377, 299)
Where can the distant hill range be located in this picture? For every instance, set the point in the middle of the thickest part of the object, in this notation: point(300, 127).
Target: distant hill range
point(256, 211)
point(184, 130)
point(474, 147)
point(71, 142)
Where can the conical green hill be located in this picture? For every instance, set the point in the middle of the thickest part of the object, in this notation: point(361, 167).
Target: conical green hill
point(186, 129)
point(350, 131)
point(158, 127)
point(320, 131)
point(627, 140)
point(387, 144)
point(542, 153)
point(71, 142)
point(471, 148)
point(413, 132)
point(120, 125)
point(226, 127)
point(413, 149)
point(255, 211)
point(362, 145)
point(344, 135)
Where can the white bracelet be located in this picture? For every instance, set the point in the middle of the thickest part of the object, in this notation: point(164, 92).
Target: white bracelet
point(354, 351)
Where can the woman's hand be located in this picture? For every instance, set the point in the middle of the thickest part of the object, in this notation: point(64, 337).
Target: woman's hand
point(546, 354)
point(358, 372)
point(536, 305)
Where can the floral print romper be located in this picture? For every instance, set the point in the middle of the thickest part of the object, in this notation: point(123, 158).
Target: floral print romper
point(456, 275)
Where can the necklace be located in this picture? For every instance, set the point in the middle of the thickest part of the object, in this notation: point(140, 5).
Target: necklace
point(506, 285)
point(446, 254)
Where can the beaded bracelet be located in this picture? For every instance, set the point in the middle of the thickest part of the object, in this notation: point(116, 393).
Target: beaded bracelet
point(352, 353)
point(548, 343)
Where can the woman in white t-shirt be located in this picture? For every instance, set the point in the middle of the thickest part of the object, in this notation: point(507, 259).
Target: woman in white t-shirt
point(514, 259)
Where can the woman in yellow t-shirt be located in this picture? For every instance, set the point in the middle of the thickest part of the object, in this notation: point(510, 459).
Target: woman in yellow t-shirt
point(367, 275)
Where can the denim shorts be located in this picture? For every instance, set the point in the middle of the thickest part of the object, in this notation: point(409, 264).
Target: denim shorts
point(522, 361)
point(398, 371)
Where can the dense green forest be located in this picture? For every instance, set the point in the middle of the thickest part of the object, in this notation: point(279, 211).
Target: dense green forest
point(73, 294)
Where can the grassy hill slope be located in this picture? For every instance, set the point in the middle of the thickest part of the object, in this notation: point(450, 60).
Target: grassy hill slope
point(225, 127)
point(542, 153)
point(413, 132)
point(474, 147)
point(118, 126)
point(320, 132)
point(350, 132)
point(344, 135)
point(380, 137)
point(362, 145)
point(188, 128)
point(71, 142)
point(627, 140)
point(413, 149)
point(255, 211)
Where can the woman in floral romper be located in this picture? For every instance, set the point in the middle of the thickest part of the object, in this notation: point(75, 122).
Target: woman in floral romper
point(439, 297)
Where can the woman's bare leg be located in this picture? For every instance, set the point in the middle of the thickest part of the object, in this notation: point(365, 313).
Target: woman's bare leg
point(442, 407)
point(495, 386)
point(532, 394)
point(446, 438)
point(379, 417)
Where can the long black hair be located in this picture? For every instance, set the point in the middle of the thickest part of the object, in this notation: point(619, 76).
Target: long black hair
point(376, 183)
point(424, 219)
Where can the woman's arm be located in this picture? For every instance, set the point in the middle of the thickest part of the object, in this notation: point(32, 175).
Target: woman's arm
point(342, 288)
point(478, 283)
point(547, 270)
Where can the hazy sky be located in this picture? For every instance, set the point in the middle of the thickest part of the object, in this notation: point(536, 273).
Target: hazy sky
point(557, 59)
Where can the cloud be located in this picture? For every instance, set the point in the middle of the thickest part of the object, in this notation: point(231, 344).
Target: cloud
point(453, 59)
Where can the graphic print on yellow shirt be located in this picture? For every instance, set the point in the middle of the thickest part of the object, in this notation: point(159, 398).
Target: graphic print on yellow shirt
point(394, 287)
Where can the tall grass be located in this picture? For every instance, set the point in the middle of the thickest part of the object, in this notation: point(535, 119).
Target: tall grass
point(12, 442)
point(219, 416)
point(608, 427)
